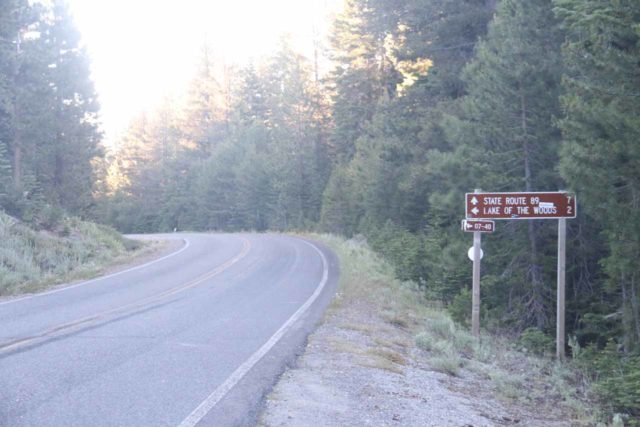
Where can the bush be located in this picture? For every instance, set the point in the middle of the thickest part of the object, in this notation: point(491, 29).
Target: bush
point(536, 341)
point(424, 341)
point(442, 327)
point(29, 259)
point(449, 364)
point(616, 379)
point(404, 250)
point(460, 307)
point(48, 218)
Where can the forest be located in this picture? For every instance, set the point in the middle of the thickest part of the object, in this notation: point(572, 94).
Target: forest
point(426, 100)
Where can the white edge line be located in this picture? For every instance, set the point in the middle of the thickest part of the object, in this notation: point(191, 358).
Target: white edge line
point(66, 288)
point(212, 400)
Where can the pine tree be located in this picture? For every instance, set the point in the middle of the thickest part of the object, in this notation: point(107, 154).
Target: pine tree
point(204, 123)
point(5, 175)
point(297, 140)
point(601, 154)
point(250, 104)
point(513, 87)
point(74, 105)
point(364, 74)
point(16, 77)
point(48, 109)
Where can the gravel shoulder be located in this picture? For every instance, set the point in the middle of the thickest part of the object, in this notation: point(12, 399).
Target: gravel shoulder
point(359, 370)
point(361, 367)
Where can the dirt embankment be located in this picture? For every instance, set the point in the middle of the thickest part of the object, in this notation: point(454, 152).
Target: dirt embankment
point(75, 250)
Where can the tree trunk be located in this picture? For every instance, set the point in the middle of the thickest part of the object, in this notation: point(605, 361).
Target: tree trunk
point(537, 300)
point(626, 340)
point(635, 310)
point(17, 165)
point(17, 143)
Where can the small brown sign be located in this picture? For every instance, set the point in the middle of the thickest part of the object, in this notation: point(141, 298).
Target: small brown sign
point(471, 225)
point(520, 205)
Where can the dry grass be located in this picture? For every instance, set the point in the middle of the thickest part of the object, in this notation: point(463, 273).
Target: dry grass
point(390, 355)
point(30, 260)
point(447, 364)
point(396, 343)
point(379, 362)
point(397, 320)
point(443, 344)
point(359, 327)
point(340, 345)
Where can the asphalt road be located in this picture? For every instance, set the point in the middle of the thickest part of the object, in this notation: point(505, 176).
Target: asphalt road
point(194, 338)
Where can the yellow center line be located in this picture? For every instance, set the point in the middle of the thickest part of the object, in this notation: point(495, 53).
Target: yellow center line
point(13, 345)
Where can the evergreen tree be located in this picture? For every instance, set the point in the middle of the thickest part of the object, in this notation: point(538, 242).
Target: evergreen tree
point(17, 77)
point(364, 72)
point(601, 154)
point(48, 109)
point(513, 87)
point(251, 105)
point(74, 114)
point(5, 175)
point(204, 124)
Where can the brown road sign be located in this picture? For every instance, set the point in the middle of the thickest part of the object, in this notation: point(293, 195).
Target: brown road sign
point(520, 205)
point(471, 225)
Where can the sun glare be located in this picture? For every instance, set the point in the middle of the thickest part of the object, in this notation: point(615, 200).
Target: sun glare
point(145, 50)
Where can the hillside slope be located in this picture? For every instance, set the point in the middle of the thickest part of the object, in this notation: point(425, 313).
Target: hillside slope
point(31, 260)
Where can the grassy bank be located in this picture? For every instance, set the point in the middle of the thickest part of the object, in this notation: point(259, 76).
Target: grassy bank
point(31, 260)
point(505, 368)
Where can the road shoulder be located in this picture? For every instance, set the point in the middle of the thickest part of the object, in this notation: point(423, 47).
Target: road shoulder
point(362, 367)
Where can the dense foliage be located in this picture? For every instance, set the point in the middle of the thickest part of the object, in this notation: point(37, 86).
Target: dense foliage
point(427, 100)
point(48, 113)
point(247, 150)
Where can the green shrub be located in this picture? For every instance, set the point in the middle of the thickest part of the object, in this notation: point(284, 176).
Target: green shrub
point(442, 327)
point(535, 341)
point(460, 307)
point(465, 343)
point(508, 385)
point(30, 259)
point(404, 250)
point(424, 341)
point(616, 380)
point(447, 363)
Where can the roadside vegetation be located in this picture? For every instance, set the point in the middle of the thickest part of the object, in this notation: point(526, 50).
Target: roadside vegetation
point(519, 370)
point(425, 100)
point(32, 259)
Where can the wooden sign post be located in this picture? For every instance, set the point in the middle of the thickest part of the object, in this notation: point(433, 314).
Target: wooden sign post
point(478, 227)
point(558, 205)
point(475, 292)
point(562, 269)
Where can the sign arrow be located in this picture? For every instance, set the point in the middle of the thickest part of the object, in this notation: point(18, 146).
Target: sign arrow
point(478, 225)
point(520, 205)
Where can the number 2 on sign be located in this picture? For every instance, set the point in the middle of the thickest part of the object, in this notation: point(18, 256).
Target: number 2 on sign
point(569, 207)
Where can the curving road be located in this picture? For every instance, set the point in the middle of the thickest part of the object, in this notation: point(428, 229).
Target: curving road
point(194, 338)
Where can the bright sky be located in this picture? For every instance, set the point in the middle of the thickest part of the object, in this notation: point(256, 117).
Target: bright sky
point(143, 50)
